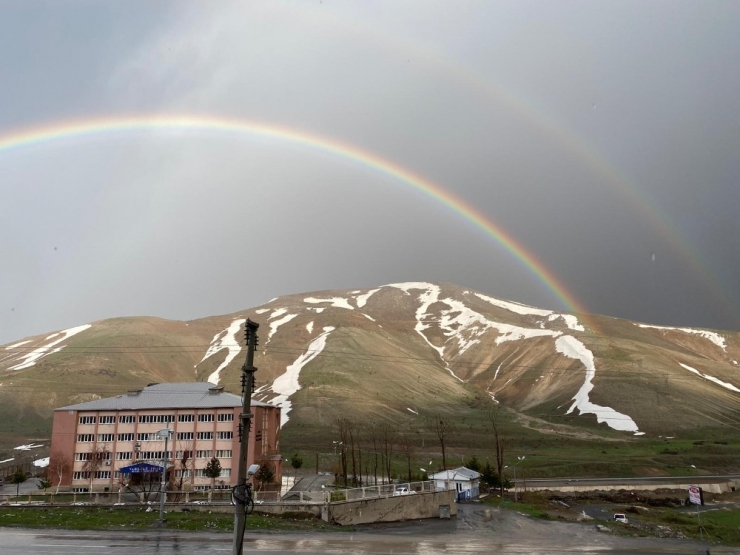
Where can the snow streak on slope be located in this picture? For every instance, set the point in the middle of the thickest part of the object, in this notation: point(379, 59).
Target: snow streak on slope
point(45, 350)
point(336, 302)
point(362, 299)
point(515, 307)
point(224, 340)
point(276, 324)
point(570, 320)
point(710, 378)
point(461, 323)
point(572, 348)
point(309, 327)
point(262, 310)
point(287, 384)
point(14, 345)
point(715, 338)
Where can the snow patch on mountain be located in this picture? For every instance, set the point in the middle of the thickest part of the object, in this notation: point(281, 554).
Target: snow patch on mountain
point(287, 384)
point(276, 324)
point(31, 358)
point(573, 348)
point(515, 307)
point(277, 313)
point(16, 345)
point(362, 299)
point(309, 327)
point(225, 339)
point(336, 302)
point(570, 321)
point(726, 385)
point(461, 323)
point(368, 317)
point(262, 310)
point(715, 338)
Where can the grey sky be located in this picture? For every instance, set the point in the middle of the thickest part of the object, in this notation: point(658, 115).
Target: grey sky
point(596, 134)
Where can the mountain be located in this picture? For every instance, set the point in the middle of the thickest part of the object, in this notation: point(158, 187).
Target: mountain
point(397, 353)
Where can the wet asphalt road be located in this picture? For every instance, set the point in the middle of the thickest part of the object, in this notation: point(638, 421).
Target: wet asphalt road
point(473, 532)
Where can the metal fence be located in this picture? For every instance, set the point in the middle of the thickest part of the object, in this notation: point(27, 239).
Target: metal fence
point(217, 497)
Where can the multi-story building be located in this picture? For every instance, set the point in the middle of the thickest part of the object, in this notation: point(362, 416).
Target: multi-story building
point(120, 431)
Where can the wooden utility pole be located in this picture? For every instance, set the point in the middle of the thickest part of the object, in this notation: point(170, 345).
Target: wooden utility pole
point(245, 426)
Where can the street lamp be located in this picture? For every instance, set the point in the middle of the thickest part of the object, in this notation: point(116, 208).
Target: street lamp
point(164, 433)
point(513, 467)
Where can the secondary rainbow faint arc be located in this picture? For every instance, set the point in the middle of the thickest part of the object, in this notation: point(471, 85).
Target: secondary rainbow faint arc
point(69, 129)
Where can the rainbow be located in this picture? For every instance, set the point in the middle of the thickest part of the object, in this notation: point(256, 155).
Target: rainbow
point(71, 129)
point(547, 123)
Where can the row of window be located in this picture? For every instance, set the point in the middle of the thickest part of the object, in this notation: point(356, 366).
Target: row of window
point(181, 436)
point(155, 455)
point(106, 474)
point(157, 418)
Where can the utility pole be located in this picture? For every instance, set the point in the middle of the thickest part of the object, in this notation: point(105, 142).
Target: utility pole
point(245, 426)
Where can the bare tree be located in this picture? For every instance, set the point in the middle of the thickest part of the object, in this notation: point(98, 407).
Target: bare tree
point(442, 427)
point(388, 434)
point(99, 454)
point(342, 425)
point(407, 449)
point(184, 466)
point(59, 466)
point(494, 416)
point(373, 430)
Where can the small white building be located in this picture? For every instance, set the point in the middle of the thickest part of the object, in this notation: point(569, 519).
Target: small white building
point(463, 480)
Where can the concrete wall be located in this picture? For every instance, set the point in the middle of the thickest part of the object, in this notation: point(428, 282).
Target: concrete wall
point(389, 509)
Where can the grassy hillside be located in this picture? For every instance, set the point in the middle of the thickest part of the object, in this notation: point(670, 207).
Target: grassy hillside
point(399, 354)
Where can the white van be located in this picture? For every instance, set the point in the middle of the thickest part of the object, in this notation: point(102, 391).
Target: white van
point(620, 517)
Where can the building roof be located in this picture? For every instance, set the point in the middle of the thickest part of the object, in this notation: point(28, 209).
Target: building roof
point(461, 474)
point(192, 395)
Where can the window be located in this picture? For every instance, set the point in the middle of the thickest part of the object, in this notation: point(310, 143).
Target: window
point(82, 456)
point(185, 418)
point(183, 473)
point(152, 436)
point(155, 455)
point(87, 420)
point(156, 418)
point(127, 419)
point(104, 438)
point(223, 454)
point(225, 473)
point(226, 417)
point(185, 436)
point(107, 419)
point(204, 454)
point(123, 456)
point(225, 435)
point(80, 490)
point(125, 437)
point(205, 417)
point(205, 435)
point(105, 475)
point(81, 475)
point(85, 438)
point(116, 475)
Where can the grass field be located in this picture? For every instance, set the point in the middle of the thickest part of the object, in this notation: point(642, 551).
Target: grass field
point(106, 518)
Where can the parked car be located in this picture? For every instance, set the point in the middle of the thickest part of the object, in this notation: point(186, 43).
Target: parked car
point(403, 491)
point(620, 517)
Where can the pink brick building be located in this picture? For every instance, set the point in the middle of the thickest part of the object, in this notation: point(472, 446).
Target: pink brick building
point(121, 431)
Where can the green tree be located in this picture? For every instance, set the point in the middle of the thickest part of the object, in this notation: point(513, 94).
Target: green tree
point(17, 478)
point(473, 464)
point(296, 462)
point(265, 475)
point(213, 471)
point(44, 484)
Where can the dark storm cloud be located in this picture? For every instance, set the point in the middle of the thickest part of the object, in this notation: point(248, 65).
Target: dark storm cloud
point(598, 135)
